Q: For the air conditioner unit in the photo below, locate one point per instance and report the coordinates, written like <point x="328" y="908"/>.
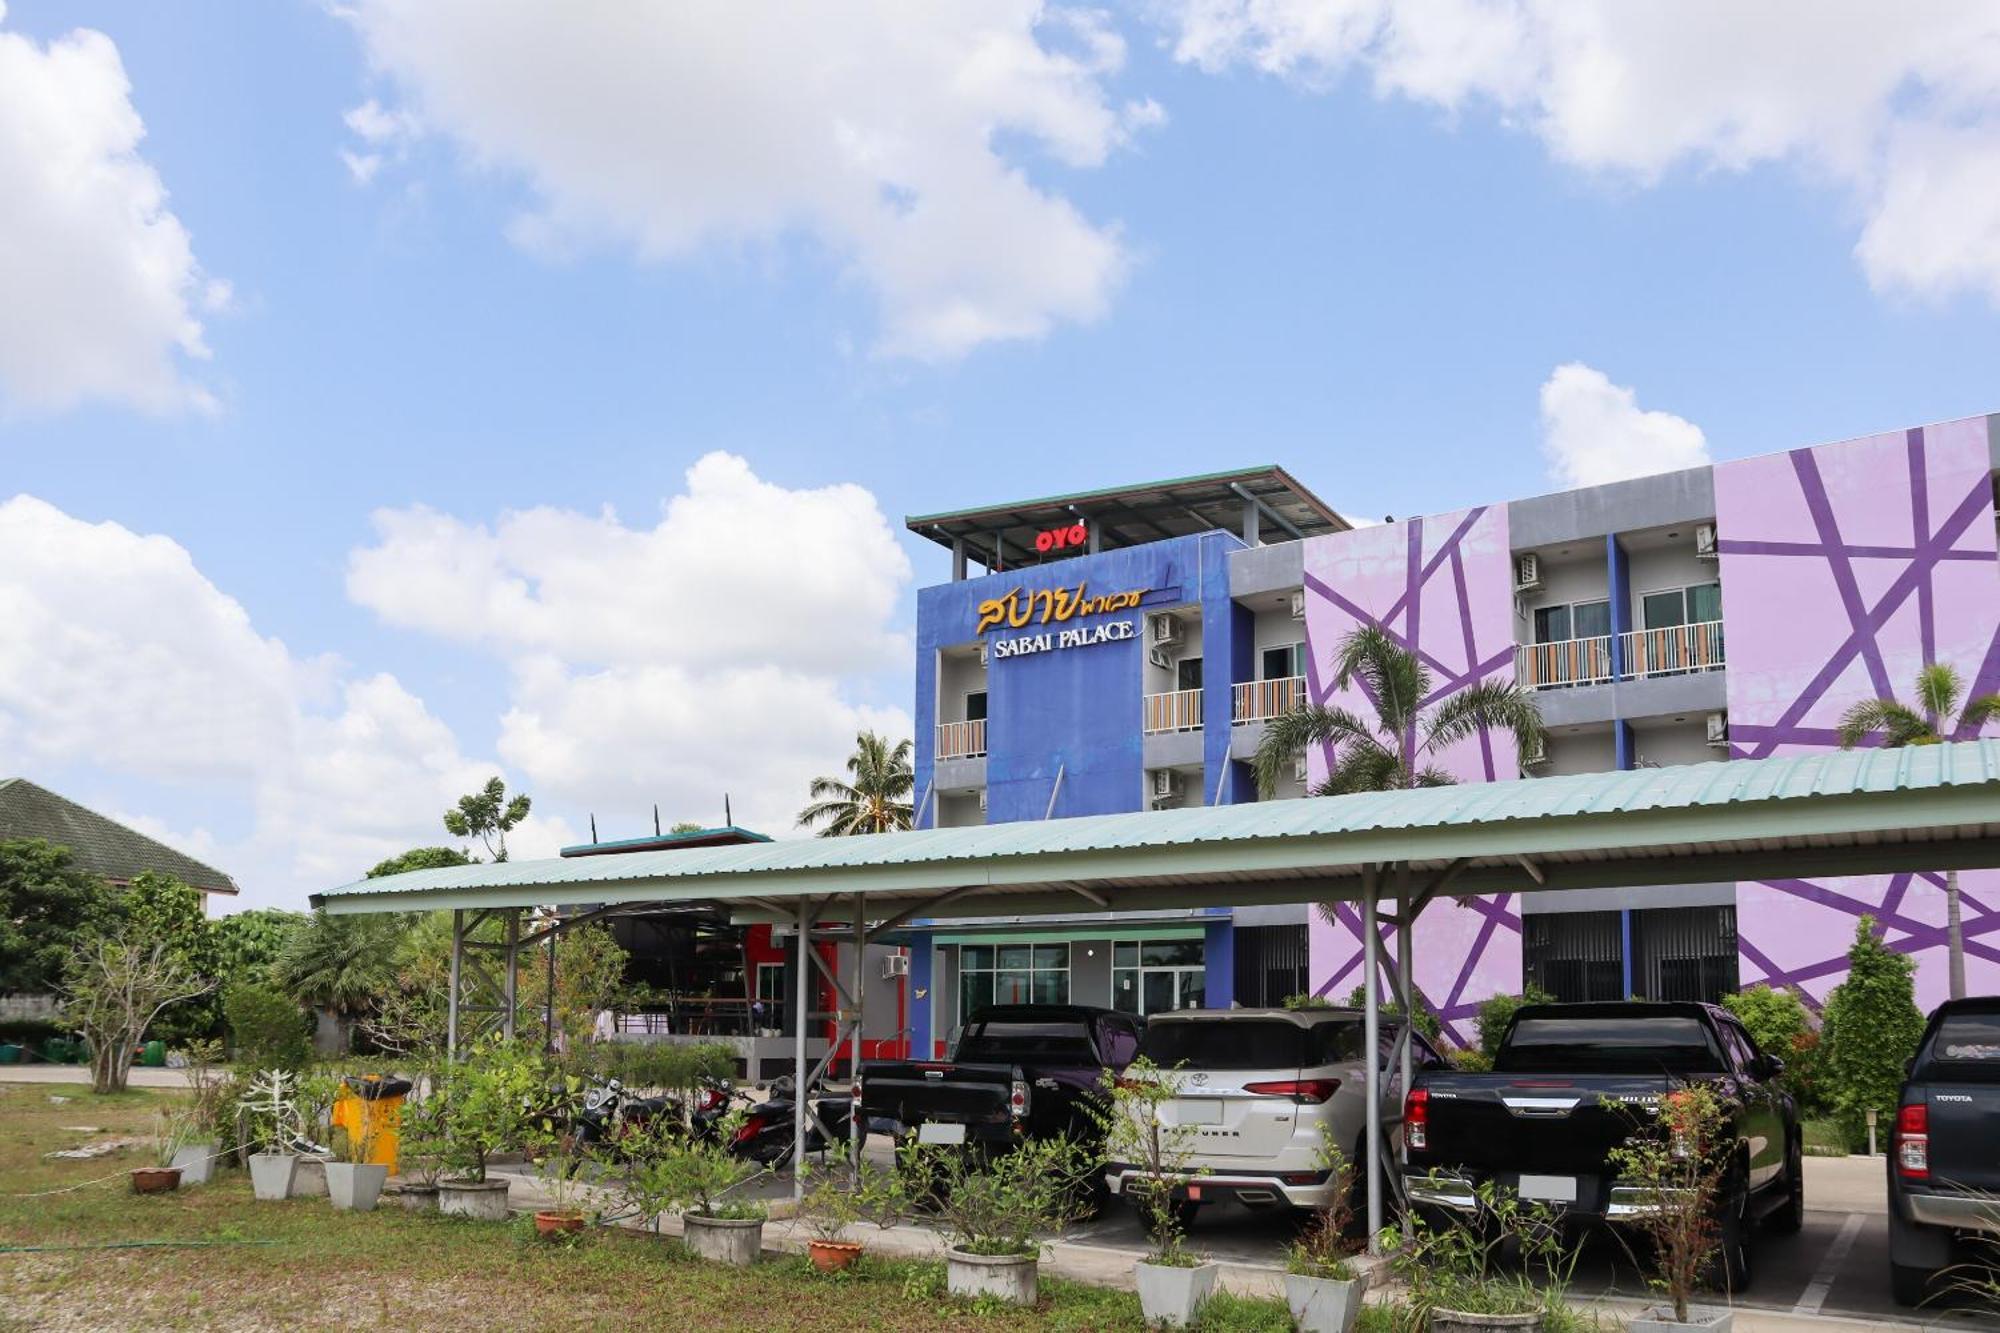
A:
<point x="982" y="800"/>
<point x="1535" y="754"/>
<point x="1299" y="605"/>
<point x="1158" y="657"/>
<point x="1527" y="572"/>
<point x="1718" y="730"/>
<point x="1704" y="541"/>
<point x="896" y="965"/>
<point x="1300" y="771"/>
<point x="1166" y="784"/>
<point x="1166" y="630"/>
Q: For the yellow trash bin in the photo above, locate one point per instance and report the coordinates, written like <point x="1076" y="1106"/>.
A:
<point x="370" y="1108"/>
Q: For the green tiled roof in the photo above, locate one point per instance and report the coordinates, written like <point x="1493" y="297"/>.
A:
<point x="102" y="846"/>
<point x="1822" y="813"/>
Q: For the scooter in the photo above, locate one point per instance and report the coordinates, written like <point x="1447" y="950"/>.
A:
<point x="609" y="1113"/>
<point x="766" y="1135"/>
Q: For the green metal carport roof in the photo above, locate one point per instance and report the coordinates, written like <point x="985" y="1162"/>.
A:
<point x="1827" y="813"/>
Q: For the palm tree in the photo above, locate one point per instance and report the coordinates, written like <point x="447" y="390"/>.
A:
<point x="1400" y="746"/>
<point x="341" y="964"/>
<point x="874" y="797"/>
<point x="1895" y="724"/>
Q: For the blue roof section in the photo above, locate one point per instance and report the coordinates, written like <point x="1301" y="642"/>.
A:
<point x="727" y="835"/>
<point x="1839" y="798"/>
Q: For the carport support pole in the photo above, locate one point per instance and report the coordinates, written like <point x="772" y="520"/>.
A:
<point x="857" y="1133"/>
<point x="457" y="960"/>
<point x="799" y="1070"/>
<point x="1371" y="1042"/>
<point x="1406" y="971"/>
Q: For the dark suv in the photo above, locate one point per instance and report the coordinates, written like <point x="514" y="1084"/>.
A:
<point x="1944" y="1153"/>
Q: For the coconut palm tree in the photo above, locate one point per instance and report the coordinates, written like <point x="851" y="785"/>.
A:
<point x="873" y="798"/>
<point x="1936" y="718"/>
<point x="1399" y="747"/>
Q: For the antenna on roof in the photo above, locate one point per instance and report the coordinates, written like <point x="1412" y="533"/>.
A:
<point x="656" y="819"/>
<point x="728" y="820"/>
<point x="593" y="829"/>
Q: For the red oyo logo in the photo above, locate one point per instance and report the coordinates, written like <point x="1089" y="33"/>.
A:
<point x="1056" y="539"/>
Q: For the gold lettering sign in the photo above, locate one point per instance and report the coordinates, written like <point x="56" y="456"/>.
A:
<point x="1051" y="606"/>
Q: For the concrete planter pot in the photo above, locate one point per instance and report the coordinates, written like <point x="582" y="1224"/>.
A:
<point x="414" y="1197"/>
<point x="1462" y="1321"/>
<point x="724" y="1240"/>
<point x="1324" y="1304"/>
<point x="272" y="1174"/>
<point x="1012" y="1279"/>
<point x="1701" y="1319"/>
<point x="482" y="1200"/>
<point x="310" y="1180"/>
<point x="1169" y="1296"/>
<point x="197" y="1163"/>
<point x="355" y="1188"/>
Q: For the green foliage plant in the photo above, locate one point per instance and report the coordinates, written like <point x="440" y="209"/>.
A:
<point x="1780" y="1024"/>
<point x="159" y="909"/>
<point x="1001" y="1205"/>
<point x="695" y="1177"/>
<point x="1496" y="1013"/>
<point x="1457" y="1265"/>
<point x="420" y="1141"/>
<point x="419" y="858"/>
<point x="487" y="815"/>
<point x="212" y="1093"/>
<point x="1428" y="1022"/>
<point x="267" y="1028"/>
<point x="1678" y="1159"/>
<point x="47" y="904"/>
<point x="172" y="1131"/>
<point x="247" y="943"/>
<point x="1872" y="1026"/>
<point x="1138" y="1130"/>
<point x="832" y="1202"/>
<point x="489" y="1106"/>
<point x="1324" y="1247"/>
<point x="1305" y="1001"/>
<point x="874" y="797"/>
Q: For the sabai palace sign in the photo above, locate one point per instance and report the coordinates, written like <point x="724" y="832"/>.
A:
<point x="1056" y="607"/>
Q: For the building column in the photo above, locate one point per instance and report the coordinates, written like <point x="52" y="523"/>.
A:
<point x="1218" y="957"/>
<point x="922" y="970"/>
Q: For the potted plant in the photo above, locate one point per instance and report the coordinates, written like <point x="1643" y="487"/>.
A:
<point x="485" y="1110"/>
<point x="993" y="1212"/>
<point x="1456" y="1284"/>
<point x="272" y="1113"/>
<point x="420" y="1146"/>
<point x="555" y="1164"/>
<point x="211" y="1113"/>
<point x="1322" y="1285"/>
<point x="1677" y="1166"/>
<point x="1173" y="1282"/>
<point x="833" y="1202"/>
<point x="695" y="1178"/>
<point x="353" y="1181"/>
<point x="170" y="1135"/>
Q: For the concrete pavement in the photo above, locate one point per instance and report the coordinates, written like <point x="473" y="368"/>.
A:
<point x="142" y="1076"/>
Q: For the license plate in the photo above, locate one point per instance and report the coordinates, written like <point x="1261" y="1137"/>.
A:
<point x="1548" y="1189"/>
<point x="938" y="1131"/>
<point x="1208" y="1112"/>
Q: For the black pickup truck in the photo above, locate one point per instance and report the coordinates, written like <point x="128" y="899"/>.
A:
<point x="1543" y="1123"/>
<point x="1018" y="1071"/>
<point x="1944" y="1152"/>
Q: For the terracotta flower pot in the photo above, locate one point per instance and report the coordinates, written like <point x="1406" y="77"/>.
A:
<point x="831" y="1256"/>
<point x="565" y="1223"/>
<point x="155" y="1179"/>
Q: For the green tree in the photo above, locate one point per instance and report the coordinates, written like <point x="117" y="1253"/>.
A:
<point x="590" y="972"/>
<point x="1871" y="1030"/>
<point x="685" y="826"/>
<point x="342" y="964"/>
<point x="1893" y="724"/>
<point x="268" y="1029"/>
<point x="1399" y="747"/>
<point x="487" y="815"/>
<point x="160" y="909"/>
<point x="47" y="903"/>
<point x="248" y="943"/>
<point x="873" y="798"/>
<point x="1778" y="1022"/>
<point x="1496" y="1013"/>
<point x="424" y="858"/>
<point x="115" y="987"/>
<point x="1427" y="1021"/>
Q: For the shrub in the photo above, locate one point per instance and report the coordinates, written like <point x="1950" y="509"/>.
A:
<point x="1498" y="1012"/>
<point x="1001" y="1205"/>
<point x="1427" y="1022"/>
<point x="1780" y="1025"/>
<point x="491" y="1102"/>
<point x="1872" y="1029"/>
<point x="1679" y="1158"/>
<point x="267" y="1028"/>
<point x="1137" y="1130"/>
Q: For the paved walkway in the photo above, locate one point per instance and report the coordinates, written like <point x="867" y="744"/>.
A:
<point x="142" y="1076"/>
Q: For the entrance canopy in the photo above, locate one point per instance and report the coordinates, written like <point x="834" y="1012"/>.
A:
<point x="1827" y="813"/>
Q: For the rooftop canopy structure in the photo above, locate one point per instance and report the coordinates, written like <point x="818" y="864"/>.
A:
<point x="1261" y="504"/>
<point x="1826" y="813"/>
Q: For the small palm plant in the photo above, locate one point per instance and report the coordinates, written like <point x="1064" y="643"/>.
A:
<point x="1937" y="717"/>
<point x="1401" y="746"/>
<point x="873" y="798"/>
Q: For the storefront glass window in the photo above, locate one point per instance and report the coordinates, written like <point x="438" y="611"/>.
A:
<point x="1155" y="976"/>
<point x="1012" y="974"/>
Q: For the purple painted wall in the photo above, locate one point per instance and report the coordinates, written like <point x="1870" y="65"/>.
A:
<point x="1844" y="569"/>
<point x="1444" y="586"/>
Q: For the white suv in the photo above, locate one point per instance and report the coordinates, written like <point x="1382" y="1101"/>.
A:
<point x="1256" y="1085"/>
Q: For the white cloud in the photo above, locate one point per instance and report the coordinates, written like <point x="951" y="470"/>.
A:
<point x="122" y="656"/>
<point x="894" y="134"/>
<point x="98" y="280"/>
<point x="1594" y="431"/>
<point x="1897" y="105"/>
<point x="712" y="652"/>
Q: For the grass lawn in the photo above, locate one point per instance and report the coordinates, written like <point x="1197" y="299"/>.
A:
<point x="1824" y="1138"/>
<point x="287" y="1265"/>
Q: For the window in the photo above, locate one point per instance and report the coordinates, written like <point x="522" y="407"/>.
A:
<point x="1684" y="953"/>
<point x="1251" y="1043"/>
<point x="1120" y="1041"/>
<point x="1187" y="674"/>
<point x="975" y="706"/>
<point x="1691" y="605"/>
<point x="1575" y="956"/>
<point x="1012" y="974"/>
<point x="1157" y="976"/>
<point x="1597" y="1043"/>
<point x="1574" y="620"/>
<point x="774" y="996"/>
<point x="1281" y="663"/>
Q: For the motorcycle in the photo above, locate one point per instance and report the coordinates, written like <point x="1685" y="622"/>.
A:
<point x="610" y="1112"/>
<point x="766" y="1134"/>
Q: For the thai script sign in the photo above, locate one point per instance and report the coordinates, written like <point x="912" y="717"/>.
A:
<point x="1051" y="606"/>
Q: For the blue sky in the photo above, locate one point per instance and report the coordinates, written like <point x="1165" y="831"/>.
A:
<point x="1333" y="258"/>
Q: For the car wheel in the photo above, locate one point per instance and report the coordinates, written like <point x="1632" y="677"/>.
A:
<point x="1790" y="1218"/>
<point x="1907" y="1285"/>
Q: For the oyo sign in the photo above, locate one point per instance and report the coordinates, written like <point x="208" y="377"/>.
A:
<point x="1059" y="539"/>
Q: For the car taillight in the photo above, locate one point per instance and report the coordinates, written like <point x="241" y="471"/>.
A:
<point x="1913" y="1142"/>
<point x="1017" y="1100"/>
<point x="1303" y="1090"/>
<point x="1417" y="1119"/>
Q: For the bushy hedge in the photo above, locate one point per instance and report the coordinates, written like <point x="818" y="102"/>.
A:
<point x="268" y="1029"/>
<point x="1780" y="1025"/>
<point x="1872" y="1029"/>
<point x="1498" y="1012"/>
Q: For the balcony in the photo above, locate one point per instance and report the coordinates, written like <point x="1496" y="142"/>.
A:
<point x="1642" y="654"/>
<point x="1261" y="700"/>
<point x="962" y="740"/>
<point x="1175" y="710"/>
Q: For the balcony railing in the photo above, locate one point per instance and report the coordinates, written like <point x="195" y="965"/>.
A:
<point x="1673" y="650"/>
<point x="1257" y="700"/>
<point x="962" y="740"/>
<point x="1176" y="710"/>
